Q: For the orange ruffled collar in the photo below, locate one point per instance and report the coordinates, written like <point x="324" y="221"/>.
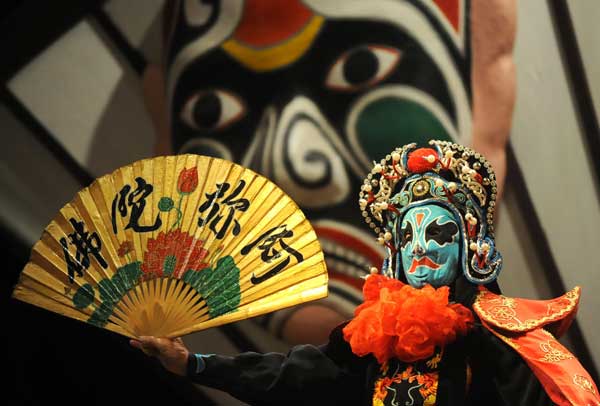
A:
<point x="397" y="320"/>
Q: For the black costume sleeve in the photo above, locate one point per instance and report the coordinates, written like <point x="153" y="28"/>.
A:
<point x="305" y="375"/>
<point x="499" y="369"/>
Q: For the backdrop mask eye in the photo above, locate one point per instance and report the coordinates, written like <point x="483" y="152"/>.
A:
<point x="212" y="110"/>
<point x="361" y="67"/>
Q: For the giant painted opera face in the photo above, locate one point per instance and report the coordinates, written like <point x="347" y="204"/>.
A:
<point x="310" y="93"/>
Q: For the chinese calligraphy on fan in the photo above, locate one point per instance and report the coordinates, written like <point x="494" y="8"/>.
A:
<point x="273" y="246"/>
<point x="219" y="222"/>
<point x="133" y="203"/>
<point x="86" y="244"/>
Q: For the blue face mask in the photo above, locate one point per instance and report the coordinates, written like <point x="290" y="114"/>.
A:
<point x="429" y="246"/>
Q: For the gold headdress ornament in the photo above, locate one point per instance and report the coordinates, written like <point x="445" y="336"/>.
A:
<point x="447" y="174"/>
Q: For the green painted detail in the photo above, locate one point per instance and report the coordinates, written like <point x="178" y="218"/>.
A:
<point x="219" y="287"/>
<point x="84" y="296"/>
<point x="165" y="204"/>
<point x="169" y="265"/>
<point x="130" y="274"/>
<point x="118" y="284"/>
<point x="390" y="121"/>
<point x="111" y="292"/>
<point x="108" y="291"/>
<point x="101" y="314"/>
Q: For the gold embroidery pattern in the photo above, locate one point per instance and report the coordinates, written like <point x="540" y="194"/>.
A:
<point x="583" y="383"/>
<point x="552" y="353"/>
<point x="502" y="312"/>
<point x="435" y="360"/>
<point x="425" y="383"/>
<point x="572" y="300"/>
<point x="556" y="306"/>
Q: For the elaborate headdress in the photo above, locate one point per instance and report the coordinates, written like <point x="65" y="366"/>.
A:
<point x="447" y="174"/>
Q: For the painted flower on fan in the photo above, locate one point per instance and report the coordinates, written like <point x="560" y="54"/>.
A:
<point x="171" y="254"/>
<point x="187" y="181"/>
<point x="125" y="248"/>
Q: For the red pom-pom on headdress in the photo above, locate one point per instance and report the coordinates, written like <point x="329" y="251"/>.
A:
<point x="422" y="160"/>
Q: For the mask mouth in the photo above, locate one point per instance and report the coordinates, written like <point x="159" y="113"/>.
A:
<point x="424" y="261"/>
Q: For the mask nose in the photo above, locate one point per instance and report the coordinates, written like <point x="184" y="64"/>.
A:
<point x="418" y="251"/>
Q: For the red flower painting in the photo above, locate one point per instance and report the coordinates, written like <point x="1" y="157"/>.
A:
<point x="125" y="248"/>
<point x="173" y="253"/>
<point x="187" y="181"/>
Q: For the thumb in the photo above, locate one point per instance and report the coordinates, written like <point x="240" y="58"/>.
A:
<point x="149" y="345"/>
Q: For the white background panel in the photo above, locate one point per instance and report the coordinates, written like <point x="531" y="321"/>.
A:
<point x="585" y="16"/>
<point x="34" y="185"/>
<point x="521" y="275"/>
<point x="81" y="93"/>
<point x="550" y="149"/>
<point x="140" y="22"/>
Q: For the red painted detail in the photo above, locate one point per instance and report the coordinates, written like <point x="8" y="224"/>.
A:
<point x="451" y="9"/>
<point x="267" y="22"/>
<point x="420" y="217"/>
<point x="471" y="229"/>
<point x="393" y="208"/>
<point x="425" y="261"/>
<point x="391" y="247"/>
<point x="449" y="194"/>
<point x="480" y="260"/>
<point x="371" y="198"/>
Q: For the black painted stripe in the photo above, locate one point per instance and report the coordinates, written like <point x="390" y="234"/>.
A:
<point x="135" y="58"/>
<point x="579" y="86"/>
<point x="345" y="295"/>
<point x="45" y="137"/>
<point x="516" y="180"/>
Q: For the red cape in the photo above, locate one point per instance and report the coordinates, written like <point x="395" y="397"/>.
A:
<point x="531" y="327"/>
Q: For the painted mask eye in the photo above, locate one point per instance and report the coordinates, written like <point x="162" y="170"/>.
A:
<point x="362" y="67"/>
<point x="441" y="233"/>
<point x="212" y="110"/>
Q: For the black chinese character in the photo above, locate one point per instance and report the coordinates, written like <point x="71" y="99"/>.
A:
<point x="214" y="217"/>
<point x="86" y="244"/>
<point x="267" y="241"/>
<point x="135" y="200"/>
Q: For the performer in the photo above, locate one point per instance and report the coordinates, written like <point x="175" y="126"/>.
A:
<point x="309" y="93"/>
<point x="431" y="330"/>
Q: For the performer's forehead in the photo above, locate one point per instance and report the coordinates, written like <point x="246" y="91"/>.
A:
<point x="423" y="215"/>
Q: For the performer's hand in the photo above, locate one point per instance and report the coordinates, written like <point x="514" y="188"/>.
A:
<point x="171" y="352"/>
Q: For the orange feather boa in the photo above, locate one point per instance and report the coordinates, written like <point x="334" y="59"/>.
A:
<point x="397" y="320"/>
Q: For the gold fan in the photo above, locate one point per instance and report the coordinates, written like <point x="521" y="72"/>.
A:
<point x="172" y="245"/>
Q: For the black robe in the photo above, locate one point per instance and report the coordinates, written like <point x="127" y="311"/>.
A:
<point x="477" y="369"/>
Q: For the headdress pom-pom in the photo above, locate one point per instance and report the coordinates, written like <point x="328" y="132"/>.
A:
<point x="422" y="160"/>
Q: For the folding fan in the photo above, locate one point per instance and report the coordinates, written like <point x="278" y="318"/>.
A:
<point x="172" y="245"/>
